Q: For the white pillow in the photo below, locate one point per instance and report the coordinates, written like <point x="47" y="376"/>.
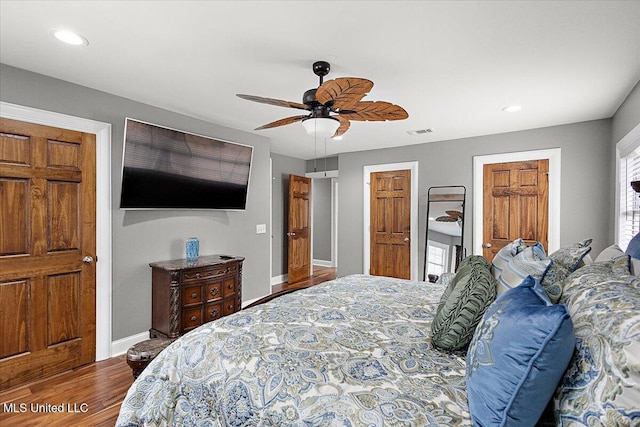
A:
<point x="609" y="253"/>
<point x="532" y="261"/>
<point x="613" y="252"/>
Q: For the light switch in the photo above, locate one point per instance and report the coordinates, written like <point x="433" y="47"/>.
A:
<point x="261" y="228"/>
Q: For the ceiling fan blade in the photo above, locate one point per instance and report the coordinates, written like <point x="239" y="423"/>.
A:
<point x="376" y="111"/>
<point x="344" y="126"/>
<point x="271" y="101"/>
<point x="446" y="218"/>
<point x="454" y="214"/>
<point x="282" y="122"/>
<point x="343" y="92"/>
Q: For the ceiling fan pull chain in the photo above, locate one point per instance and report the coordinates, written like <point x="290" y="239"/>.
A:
<point x="315" y="148"/>
<point x="325" y="157"/>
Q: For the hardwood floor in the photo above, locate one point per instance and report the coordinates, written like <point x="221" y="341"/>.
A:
<point x="90" y="395"/>
<point x="320" y="274"/>
<point x="87" y="396"/>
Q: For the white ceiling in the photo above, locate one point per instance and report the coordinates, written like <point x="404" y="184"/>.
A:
<point x="453" y="65"/>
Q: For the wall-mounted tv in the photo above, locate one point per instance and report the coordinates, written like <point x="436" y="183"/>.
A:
<point x="164" y="168"/>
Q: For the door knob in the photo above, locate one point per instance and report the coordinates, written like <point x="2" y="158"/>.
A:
<point x="291" y="234"/>
<point x="406" y="239"/>
<point x="88" y="259"/>
<point x="486" y="245"/>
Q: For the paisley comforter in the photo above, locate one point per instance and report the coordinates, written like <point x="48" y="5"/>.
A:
<point x="602" y="385"/>
<point x="355" y="351"/>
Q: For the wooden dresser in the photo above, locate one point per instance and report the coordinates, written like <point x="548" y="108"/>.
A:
<point x="186" y="295"/>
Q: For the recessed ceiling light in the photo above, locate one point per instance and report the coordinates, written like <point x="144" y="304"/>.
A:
<point x="512" y="108"/>
<point x="69" y="37"/>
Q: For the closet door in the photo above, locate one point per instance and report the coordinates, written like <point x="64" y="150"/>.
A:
<point x="515" y="204"/>
<point x="47" y="251"/>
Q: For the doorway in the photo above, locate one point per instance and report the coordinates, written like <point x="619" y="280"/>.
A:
<point x="412" y="167"/>
<point x="324" y="220"/>
<point x="102" y="132"/>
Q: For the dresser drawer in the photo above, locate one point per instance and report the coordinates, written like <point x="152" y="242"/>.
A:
<point x="213" y="312"/>
<point x="229" y="285"/>
<point x="191" y="295"/>
<point x="229" y="306"/>
<point x="191" y="318"/>
<point x="213" y="291"/>
<point x="198" y="274"/>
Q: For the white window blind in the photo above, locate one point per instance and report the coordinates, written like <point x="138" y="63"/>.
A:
<point x="629" y="224"/>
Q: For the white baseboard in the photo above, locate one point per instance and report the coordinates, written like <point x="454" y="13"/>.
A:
<point x="322" y="263"/>
<point x="121" y="346"/>
<point x="279" y="279"/>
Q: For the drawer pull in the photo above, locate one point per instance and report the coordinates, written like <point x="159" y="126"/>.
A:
<point x="214" y="291"/>
<point x="214" y="313"/>
<point x="197" y="275"/>
<point x="193" y="318"/>
<point x="230" y="287"/>
<point x="193" y="295"/>
<point x="230" y="306"/>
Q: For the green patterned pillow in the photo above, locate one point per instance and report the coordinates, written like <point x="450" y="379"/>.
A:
<point x="463" y="303"/>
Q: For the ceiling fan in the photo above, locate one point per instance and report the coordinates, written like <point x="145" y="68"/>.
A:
<point x="451" y="216"/>
<point x="333" y="104"/>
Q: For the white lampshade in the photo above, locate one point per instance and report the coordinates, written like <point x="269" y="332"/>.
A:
<point x="321" y="127"/>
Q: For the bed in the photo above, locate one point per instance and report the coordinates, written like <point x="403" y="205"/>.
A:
<point x="354" y="351"/>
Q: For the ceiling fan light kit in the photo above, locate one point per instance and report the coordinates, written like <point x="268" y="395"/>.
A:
<point x="321" y="127"/>
<point x="333" y="104"/>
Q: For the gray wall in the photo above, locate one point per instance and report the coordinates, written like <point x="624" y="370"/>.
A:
<point x="321" y="226"/>
<point x="281" y="166"/>
<point x="586" y="190"/>
<point x="627" y="117"/>
<point x="140" y="237"/>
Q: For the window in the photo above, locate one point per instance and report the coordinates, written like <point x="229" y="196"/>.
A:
<point x="629" y="200"/>
<point x="437" y="258"/>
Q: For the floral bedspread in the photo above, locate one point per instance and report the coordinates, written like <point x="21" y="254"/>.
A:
<point x="601" y="387"/>
<point x="355" y="351"/>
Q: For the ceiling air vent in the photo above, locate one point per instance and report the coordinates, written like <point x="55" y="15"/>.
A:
<point x="420" y="131"/>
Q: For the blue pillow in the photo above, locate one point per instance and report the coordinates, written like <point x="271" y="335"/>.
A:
<point x="519" y="352"/>
<point x="633" y="249"/>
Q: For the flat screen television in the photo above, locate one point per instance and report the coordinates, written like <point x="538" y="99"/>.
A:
<point x="164" y="168"/>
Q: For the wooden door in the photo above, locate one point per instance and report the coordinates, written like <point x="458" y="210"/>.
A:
<point x="515" y="204"/>
<point x="299" y="228"/>
<point x="390" y="243"/>
<point x="47" y="227"/>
